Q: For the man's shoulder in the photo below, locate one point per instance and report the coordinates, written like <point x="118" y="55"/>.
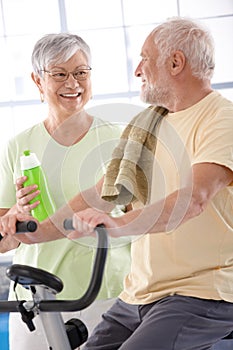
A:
<point x="220" y="101"/>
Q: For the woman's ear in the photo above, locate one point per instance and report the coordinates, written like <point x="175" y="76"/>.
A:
<point x="37" y="80"/>
<point x="177" y="62"/>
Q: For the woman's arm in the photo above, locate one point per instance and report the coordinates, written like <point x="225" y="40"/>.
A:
<point x="7" y="242"/>
<point x="52" y="228"/>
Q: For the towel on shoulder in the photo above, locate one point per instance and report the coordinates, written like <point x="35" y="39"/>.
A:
<point x="128" y="176"/>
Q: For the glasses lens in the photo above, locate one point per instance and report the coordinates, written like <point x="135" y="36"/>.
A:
<point x="59" y="75"/>
<point x="81" y="74"/>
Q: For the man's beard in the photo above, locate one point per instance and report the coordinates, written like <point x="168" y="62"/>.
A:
<point x="159" y="96"/>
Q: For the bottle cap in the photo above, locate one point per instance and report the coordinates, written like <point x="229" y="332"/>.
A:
<point x="29" y="160"/>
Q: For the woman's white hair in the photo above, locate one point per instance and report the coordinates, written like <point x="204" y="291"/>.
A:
<point x="192" y="38"/>
<point x="57" y="48"/>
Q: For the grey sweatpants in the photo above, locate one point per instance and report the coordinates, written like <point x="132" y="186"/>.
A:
<point x="172" y="323"/>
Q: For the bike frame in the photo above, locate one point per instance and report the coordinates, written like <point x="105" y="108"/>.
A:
<point x="45" y="286"/>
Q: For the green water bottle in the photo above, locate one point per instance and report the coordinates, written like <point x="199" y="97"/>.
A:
<point x="31" y="167"/>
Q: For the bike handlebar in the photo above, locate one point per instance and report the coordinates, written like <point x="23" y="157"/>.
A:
<point x="24" y="226"/>
<point x="68" y="224"/>
<point x="93" y="288"/>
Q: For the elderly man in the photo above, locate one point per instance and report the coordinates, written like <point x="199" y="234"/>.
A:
<point x="179" y="292"/>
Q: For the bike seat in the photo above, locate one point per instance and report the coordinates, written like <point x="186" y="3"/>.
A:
<point x="30" y="276"/>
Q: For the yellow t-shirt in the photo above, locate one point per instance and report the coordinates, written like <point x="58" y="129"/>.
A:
<point x="197" y="258"/>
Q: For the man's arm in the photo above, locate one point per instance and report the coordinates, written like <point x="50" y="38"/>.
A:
<point x="53" y="226"/>
<point x="165" y="215"/>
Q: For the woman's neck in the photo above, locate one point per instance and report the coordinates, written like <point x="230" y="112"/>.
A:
<point x="70" y="130"/>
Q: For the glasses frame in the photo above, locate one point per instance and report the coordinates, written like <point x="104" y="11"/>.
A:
<point x="67" y="74"/>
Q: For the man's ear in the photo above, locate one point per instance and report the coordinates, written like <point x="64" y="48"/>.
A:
<point x="178" y="61"/>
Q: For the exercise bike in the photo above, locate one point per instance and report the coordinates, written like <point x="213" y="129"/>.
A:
<point x="44" y="286"/>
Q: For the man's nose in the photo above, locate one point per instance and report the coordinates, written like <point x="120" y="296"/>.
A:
<point x="138" y="71"/>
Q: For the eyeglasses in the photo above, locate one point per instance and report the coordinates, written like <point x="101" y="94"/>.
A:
<point x="60" y="75"/>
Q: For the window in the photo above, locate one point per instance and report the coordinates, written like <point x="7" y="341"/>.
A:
<point x="115" y="31"/>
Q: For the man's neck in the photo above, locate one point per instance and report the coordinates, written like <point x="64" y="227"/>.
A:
<point x="190" y="94"/>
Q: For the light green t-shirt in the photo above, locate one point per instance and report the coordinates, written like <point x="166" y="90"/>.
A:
<point x="69" y="170"/>
<point x="196" y="259"/>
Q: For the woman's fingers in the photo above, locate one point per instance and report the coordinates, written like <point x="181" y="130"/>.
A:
<point x="27" y="198"/>
<point x="24" y="191"/>
<point x="24" y="195"/>
<point x="7" y="224"/>
<point x="19" y="182"/>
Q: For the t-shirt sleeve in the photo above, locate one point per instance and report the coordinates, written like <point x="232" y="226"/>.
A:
<point x="7" y="178"/>
<point x="214" y="141"/>
<point x="108" y="137"/>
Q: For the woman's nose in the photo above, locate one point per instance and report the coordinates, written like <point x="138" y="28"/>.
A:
<point x="71" y="81"/>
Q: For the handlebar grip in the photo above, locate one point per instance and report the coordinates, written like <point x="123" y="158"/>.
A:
<point x="26" y="226"/>
<point x="68" y="225"/>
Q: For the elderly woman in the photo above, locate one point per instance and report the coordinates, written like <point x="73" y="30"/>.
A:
<point x="73" y="148"/>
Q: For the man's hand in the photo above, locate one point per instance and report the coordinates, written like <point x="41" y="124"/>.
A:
<point x="84" y="223"/>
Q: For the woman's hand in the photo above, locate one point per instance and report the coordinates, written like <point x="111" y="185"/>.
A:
<point x="24" y="195"/>
<point x="8" y="243"/>
<point x="8" y="223"/>
<point x="8" y="229"/>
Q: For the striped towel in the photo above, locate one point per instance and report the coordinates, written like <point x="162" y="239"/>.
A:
<point x="128" y="176"/>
